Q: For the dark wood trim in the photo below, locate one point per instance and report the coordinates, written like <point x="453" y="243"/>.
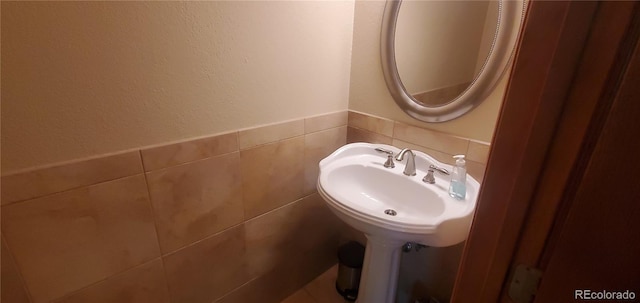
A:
<point x="569" y="58"/>
<point x="549" y="51"/>
<point x="597" y="240"/>
<point x="618" y="26"/>
<point x="596" y="65"/>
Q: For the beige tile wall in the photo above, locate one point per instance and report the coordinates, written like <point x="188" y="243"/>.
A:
<point x="228" y="218"/>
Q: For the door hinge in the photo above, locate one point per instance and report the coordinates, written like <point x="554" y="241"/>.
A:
<point x="524" y="284"/>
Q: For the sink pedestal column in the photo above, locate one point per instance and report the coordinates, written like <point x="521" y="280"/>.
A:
<point x="380" y="271"/>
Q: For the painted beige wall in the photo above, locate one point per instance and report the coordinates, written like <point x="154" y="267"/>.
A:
<point x="81" y="79"/>
<point x="368" y="92"/>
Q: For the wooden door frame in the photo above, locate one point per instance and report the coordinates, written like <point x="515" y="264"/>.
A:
<point x="565" y="61"/>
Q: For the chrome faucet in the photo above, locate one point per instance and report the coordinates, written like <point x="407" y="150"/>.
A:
<point x="410" y="168"/>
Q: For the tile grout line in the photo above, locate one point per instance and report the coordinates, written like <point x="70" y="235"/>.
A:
<point x="233" y="290"/>
<point x="304" y="163"/>
<point x="192" y="161"/>
<point x="73" y="292"/>
<point x="17" y="267"/>
<point x="325" y="129"/>
<point x="369" y="131"/>
<point x="271" y="142"/>
<point x="71" y="189"/>
<point x="234" y="226"/>
<point x="155" y="227"/>
<point x="310" y="132"/>
<point x="242" y="198"/>
<point x="243" y="223"/>
<point x="393" y="130"/>
<point x="466" y="154"/>
<point x="186" y="140"/>
<point x="258" y="128"/>
<point x="63" y="163"/>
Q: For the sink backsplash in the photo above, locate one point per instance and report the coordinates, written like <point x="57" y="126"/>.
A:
<point x="367" y="128"/>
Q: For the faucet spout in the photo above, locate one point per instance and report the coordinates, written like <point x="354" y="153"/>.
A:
<point x="410" y="168"/>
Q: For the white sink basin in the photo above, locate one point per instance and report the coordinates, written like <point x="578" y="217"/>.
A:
<point x="376" y="190"/>
<point x="358" y="188"/>
<point x="362" y="192"/>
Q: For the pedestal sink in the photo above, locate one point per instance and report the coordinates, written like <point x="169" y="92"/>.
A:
<point x="391" y="208"/>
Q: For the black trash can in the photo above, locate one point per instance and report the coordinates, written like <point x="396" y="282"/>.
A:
<point x="350" y="257"/>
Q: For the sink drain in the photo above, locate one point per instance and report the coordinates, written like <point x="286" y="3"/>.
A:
<point x="390" y="212"/>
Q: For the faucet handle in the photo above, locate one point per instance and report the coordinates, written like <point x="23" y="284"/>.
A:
<point x="429" y="178"/>
<point x="389" y="163"/>
<point x="439" y="169"/>
<point x="386" y="151"/>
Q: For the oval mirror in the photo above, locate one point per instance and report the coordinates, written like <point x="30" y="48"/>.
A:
<point x="441" y="59"/>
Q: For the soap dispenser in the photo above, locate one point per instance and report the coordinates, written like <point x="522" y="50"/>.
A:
<point x="458" y="187"/>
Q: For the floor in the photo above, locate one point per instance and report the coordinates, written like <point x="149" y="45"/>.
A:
<point x="320" y="290"/>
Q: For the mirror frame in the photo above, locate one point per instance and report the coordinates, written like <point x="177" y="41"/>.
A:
<point x="510" y="19"/>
